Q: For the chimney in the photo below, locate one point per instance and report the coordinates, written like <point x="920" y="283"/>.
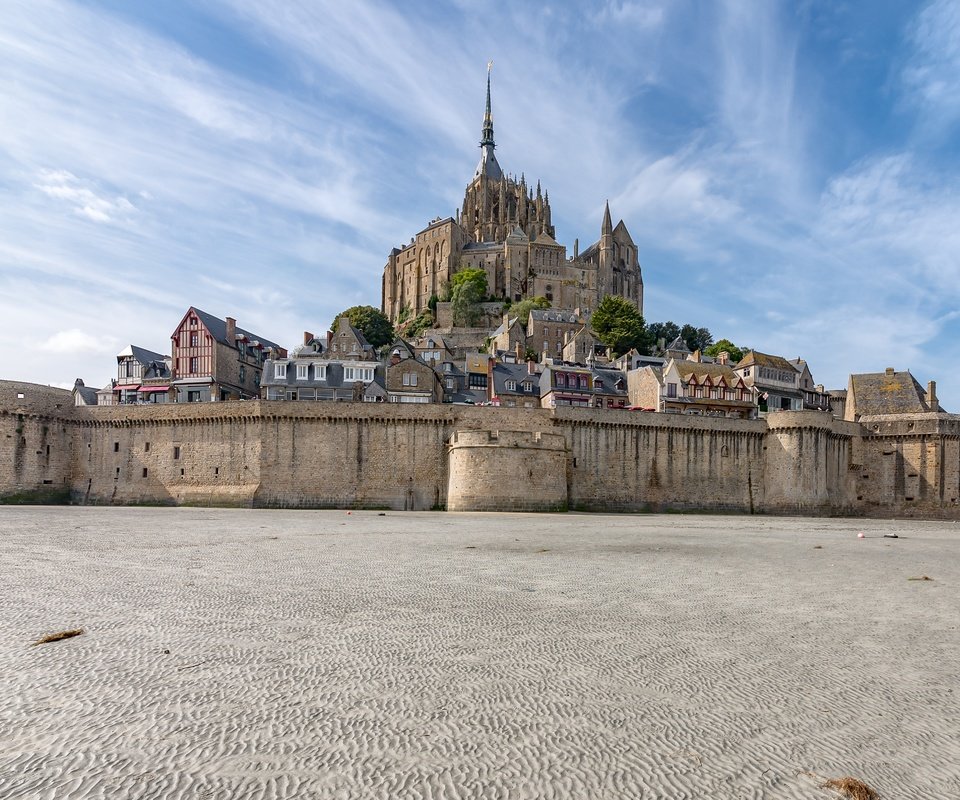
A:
<point x="932" y="395"/>
<point x="576" y="249"/>
<point x="231" y="330"/>
<point x="890" y="372"/>
<point x="307" y="336"/>
<point x="531" y="367"/>
<point x="506" y="319"/>
<point x="723" y="357"/>
<point x="329" y="339"/>
<point x="519" y="351"/>
<point x="394" y="358"/>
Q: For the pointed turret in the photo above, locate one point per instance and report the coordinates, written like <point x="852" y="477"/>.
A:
<point x="607" y="226"/>
<point x="488" y="165"/>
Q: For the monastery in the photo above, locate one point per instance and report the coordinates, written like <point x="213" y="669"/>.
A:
<point x="505" y="228"/>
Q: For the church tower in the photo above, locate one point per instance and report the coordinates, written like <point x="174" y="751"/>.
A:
<point x="495" y="203"/>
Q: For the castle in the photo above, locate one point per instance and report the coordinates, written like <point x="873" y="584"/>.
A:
<point x="505" y="228"/>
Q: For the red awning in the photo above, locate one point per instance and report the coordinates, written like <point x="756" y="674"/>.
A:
<point x="146" y="389"/>
<point x="127" y="387"/>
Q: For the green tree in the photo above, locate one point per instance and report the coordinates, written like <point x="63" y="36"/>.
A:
<point x="696" y="338"/>
<point x="668" y="331"/>
<point x="619" y="325"/>
<point x="469" y="287"/>
<point x="736" y="353"/>
<point x="414" y="327"/>
<point x="375" y="327"/>
<point x="522" y="309"/>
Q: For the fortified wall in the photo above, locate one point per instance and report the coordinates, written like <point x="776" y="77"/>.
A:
<point x="361" y="455"/>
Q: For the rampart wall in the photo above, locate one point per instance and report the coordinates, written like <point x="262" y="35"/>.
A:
<point x="350" y="455"/>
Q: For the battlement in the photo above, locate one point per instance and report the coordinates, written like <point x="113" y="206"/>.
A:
<point x="352" y="455"/>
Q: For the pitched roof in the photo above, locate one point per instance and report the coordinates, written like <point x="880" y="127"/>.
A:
<point x="141" y="354"/>
<point x="704" y="370"/>
<point x="889" y="392"/>
<point x="755" y="358"/>
<point x="218" y="330"/>
<point x="553" y="315"/>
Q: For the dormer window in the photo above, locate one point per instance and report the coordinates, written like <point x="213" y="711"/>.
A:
<point x="280" y="371"/>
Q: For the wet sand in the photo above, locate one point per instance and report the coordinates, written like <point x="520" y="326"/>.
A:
<point x="266" y="654"/>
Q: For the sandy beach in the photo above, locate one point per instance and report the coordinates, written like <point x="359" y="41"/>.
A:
<point x="271" y="654"/>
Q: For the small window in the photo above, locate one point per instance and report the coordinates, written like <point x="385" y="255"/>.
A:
<point x="194" y="364"/>
<point x="193" y="322"/>
<point x="176" y="452"/>
<point x="320" y="372"/>
<point x="144" y="472"/>
<point x="511" y="386"/>
<point x="243" y="374"/>
<point x="280" y="371"/>
<point x="116" y="447"/>
<point x="194" y="339"/>
<point x="146" y="447"/>
<point x="302" y="371"/>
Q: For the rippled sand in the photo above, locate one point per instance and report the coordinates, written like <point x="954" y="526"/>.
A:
<point x="267" y="654"/>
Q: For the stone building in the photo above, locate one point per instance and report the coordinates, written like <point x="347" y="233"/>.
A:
<point x="889" y="392"/>
<point x="341" y="367"/>
<point x="505" y="227"/>
<point x="775" y="379"/>
<point x="697" y="388"/>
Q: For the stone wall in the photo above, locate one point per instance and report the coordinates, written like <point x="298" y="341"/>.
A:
<point x="347" y="455"/>
<point x="36" y="442"/>
<point x="507" y="471"/>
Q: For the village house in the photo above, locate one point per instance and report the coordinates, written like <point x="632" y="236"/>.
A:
<point x="547" y="329"/>
<point x="143" y="376"/>
<point x="514" y="385"/>
<point x="776" y="381"/>
<point x="682" y="386"/>
<point x="609" y="387"/>
<point x="563" y="384"/>
<point x="815" y="397"/>
<point x="213" y="359"/>
<point x="410" y="379"/>
<point x="310" y="373"/>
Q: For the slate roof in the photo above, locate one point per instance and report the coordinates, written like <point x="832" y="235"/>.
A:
<point x="889" y="393"/>
<point x="141" y="354"/>
<point x="218" y="330"/>
<point x="483" y="246"/>
<point x="553" y="315"/>
<point x="334" y="375"/>
<point x="608" y="379"/>
<point x="515" y="372"/>
<point x="88" y="393"/>
<point x="590" y="250"/>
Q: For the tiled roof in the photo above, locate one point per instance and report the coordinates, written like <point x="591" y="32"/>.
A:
<point x="702" y="370"/>
<point x="754" y="358"/>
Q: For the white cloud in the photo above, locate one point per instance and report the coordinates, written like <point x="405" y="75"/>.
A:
<point x="74" y="340"/>
<point x="624" y="12"/>
<point x="63" y="185"/>
<point x="932" y="74"/>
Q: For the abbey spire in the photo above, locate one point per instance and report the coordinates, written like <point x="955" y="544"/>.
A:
<point x="488" y="165"/>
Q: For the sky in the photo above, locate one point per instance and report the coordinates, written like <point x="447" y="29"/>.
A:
<point x="789" y="171"/>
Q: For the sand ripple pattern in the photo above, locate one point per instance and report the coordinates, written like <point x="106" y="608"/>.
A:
<point x="269" y="654"/>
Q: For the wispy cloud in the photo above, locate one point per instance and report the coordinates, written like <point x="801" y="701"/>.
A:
<point x="65" y="186"/>
<point x="932" y="73"/>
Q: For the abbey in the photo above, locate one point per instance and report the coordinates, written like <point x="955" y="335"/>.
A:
<point x="505" y="228"/>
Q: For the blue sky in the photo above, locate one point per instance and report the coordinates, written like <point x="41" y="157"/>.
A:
<point x="790" y="171"/>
